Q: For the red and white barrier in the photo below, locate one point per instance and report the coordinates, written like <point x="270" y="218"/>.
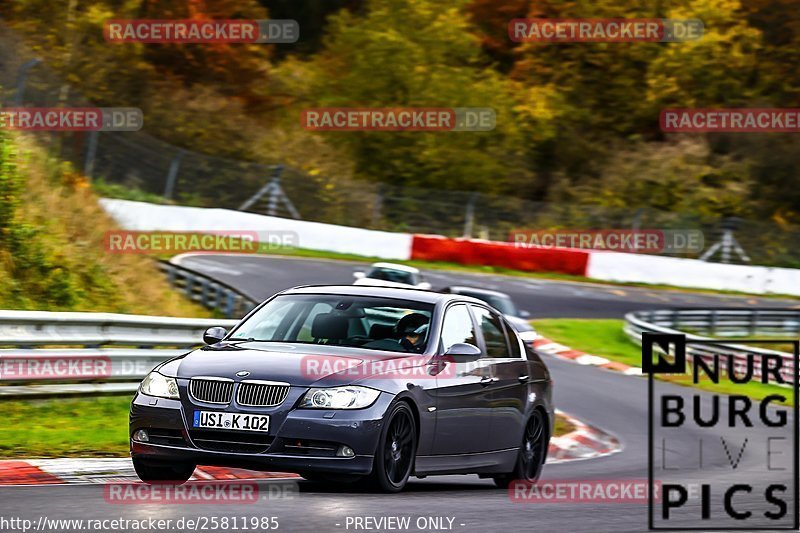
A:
<point x="499" y="254"/>
<point x="606" y="266"/>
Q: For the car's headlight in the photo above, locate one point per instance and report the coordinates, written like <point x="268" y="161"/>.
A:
<point x="339" y="398"/>
<point x="161" y="386"/>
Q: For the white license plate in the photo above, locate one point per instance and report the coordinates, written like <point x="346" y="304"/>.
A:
<point x="230" y="421"/>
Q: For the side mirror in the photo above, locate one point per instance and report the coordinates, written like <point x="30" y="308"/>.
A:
<point x="424" y="286"/>
<point x="359" y="275"/>
<point x="463" y="349"/>
<point x="214" y="335"/>
<point x="524" y="314"/>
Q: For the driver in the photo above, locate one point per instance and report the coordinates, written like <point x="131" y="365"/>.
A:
<point x="412" y="330"/>
<point x="410" y="333"/>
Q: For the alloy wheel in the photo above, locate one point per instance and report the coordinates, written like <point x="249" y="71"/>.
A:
<point x="398" y="452"/>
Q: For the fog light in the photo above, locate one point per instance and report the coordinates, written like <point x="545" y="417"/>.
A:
<point x="141" y="436"/>
<point x="346" y="451"/>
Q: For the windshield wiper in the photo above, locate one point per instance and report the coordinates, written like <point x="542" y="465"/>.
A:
<point x="242" y="341"/>
<point x="232" y="345"/>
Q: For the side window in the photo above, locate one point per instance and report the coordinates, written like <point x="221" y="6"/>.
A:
<point x="513" y="341"/>
<point x="458" y="327"/>
<point x="493" y="334"/>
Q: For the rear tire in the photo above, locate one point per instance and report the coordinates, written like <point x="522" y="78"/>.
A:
<point x="532" y="453"/>
<point x="397" y="450"/>
<point x="155" y="472"/>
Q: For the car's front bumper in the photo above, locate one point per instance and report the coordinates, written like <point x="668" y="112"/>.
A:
<point x="357" y="429"/>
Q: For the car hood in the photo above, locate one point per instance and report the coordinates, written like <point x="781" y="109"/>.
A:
<point x="306" y="366"/>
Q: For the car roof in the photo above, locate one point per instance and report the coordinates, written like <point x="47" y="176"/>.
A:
<point x="395" y="266"/>
<point x="410" y="293"/>
<point x="457" y="289"/>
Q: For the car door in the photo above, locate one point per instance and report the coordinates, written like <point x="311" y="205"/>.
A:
<point x="510" y="374"/>
<point x="463" y="401"/>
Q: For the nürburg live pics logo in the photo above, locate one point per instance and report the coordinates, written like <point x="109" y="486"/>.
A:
<point x="724" y="454"/>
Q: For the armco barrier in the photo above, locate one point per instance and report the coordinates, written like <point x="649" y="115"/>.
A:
<point x="42" y="348"/>
<point x="720" y="323"/>
<point x="24" y="329"/>
<point x="499" y="254"/>
<point x="208" y="292"/>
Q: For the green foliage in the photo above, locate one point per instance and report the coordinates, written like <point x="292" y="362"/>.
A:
<point x="10" y="184"/>
<point x="715" y="71"/>
<point x="421" y="53"/>
<point x="108" y="189"/>
<point x="575" y="122"/>
<point x="684" y="177"/>
<point x="52" y="253"/>
<point x="32" y="272"/>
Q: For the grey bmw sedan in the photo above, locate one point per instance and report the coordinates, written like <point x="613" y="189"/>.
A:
<point x="351" y="384"/>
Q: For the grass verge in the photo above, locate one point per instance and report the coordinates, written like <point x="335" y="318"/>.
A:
<point x="81" y="427"/>
<point x="562" y="426"/>
<point x="604" y="338"/>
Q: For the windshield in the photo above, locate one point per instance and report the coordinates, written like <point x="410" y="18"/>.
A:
<point x="355" y="321"/>
<point x="501" y="303"/>
<point x="395" y="276"/>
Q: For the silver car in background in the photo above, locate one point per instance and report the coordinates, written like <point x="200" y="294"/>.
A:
<point x="503" y="303"/>
<point x="392" y="275"/>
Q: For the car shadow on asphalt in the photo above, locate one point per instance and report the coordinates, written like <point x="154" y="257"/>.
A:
<point x="412" y="487"/>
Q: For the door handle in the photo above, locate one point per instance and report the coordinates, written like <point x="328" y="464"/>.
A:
<point x="486" y="380"/>
<point x="524" y="379"/>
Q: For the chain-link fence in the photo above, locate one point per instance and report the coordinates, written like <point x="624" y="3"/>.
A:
<point x="139" y="162"/>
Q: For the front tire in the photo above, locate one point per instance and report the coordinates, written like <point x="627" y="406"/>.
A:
<point x="153" y="472"/>
<point x="532" y="453"/>
<point x="397" y="450"/>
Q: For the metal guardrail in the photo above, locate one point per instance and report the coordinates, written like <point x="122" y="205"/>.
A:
<point x="208" y="292"/>
<point x="23" y="329"/>
<point x="695" y="323"/>
<point x="39" y="349"/>
<point x="47" y="354"/>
